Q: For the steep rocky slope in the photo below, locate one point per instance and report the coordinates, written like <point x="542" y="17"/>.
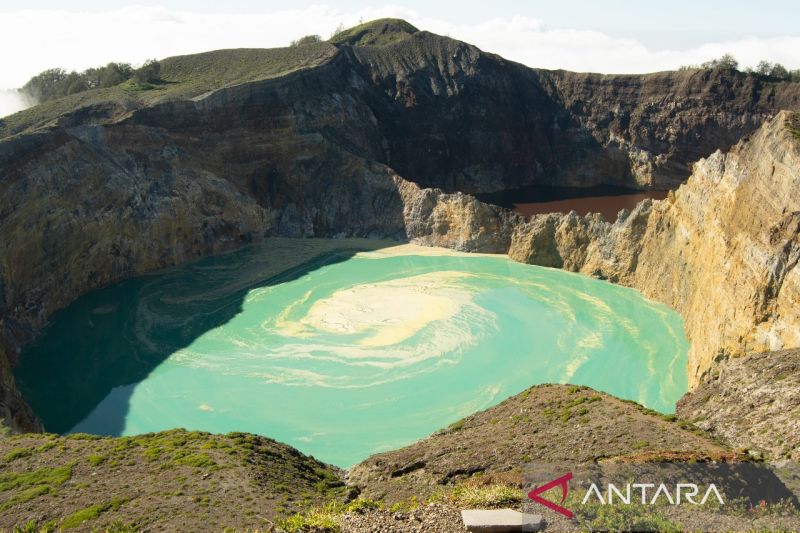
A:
<point x="544" y="424"/>
<point x="342" y="140"/>
<point x="751" y="403"/>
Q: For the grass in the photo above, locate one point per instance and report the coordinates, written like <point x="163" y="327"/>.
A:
<point x="595" y="516"/>
<point x="29" y="485"/>
<point x="455" y="426"/>
<point x="325" y="518"/>
<point x="17" y="453"/>
<point x="183" y="77"/>
<point x="32" y="526"/>
<point x="492" y="495"/>
<point x="96" y="460"/>
<point x="92" y="512"/>
<point x="197" y="460"/>
<point x="371" y="33"/>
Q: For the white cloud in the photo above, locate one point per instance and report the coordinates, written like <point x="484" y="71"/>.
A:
<point x="35" y="40"/>
<point x="11" y="102"/>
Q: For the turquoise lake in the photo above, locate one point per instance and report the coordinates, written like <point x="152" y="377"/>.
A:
<point x="341" y="352"/>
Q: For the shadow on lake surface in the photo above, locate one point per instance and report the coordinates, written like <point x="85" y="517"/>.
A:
<point x="109" y="340"/>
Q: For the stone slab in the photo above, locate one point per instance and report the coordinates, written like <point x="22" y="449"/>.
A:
<point x="500" y="521"/>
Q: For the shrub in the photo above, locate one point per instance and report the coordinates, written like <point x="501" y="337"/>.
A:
<point x="307" y="39"/>
<point x="149" y="72"/>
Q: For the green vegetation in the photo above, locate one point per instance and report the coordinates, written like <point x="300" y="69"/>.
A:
<point x="32" y="526"/>
<point x="307" y="39"/>
<point x="95" y="460"/>
<point x="455" y="426"/>
<point x="379" y="32"/>
<point x="197" y="460"/>
<point x="634" y="517"/>
<point x="17" y="453"/>
<point x="764" y="70"/>
<point x="325" y="518"/>
<point x="468" y="495"/>
<point x="179" y="77"/>
<point x="82" y="436"/>
<point x="30" y="485"/>
<point x="90" y="513"/>
<point x="56" y="82"/>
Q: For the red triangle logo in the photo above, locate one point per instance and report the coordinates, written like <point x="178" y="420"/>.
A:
<point x="562" y="482"/>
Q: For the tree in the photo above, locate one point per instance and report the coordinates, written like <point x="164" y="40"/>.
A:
<point x="307" y="39"/>
<point x="74" y="83"/>
<point x="46" y="85"/>
<point x="763" y="68"/>
<point x="779" y="71"/>
<point x="726" y="62"/>
<point x="114" y="74"/>
<point x="149" y="72"/>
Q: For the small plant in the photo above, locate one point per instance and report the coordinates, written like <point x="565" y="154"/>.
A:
<point x="457" y="425"/>
<point x="17" y="453"/>
<point x="82" y="436"/>
<point x="197" y="460"/>
<point x="31" y="526"/>
<point x="121" y="527"/>
<point x="477" y="495"/>
<point x="96" y="460"/>
<point x="325" y="518"/>
<point x="90" y="513"/>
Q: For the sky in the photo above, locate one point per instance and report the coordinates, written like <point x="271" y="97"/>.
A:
<point x="611" y="36"/>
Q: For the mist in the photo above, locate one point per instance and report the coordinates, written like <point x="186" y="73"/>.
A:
<point x="11" y="101"/>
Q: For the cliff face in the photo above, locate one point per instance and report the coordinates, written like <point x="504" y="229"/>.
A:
<point x="345" y="140"/>
<point x="722" y="250"/>
<point x="456" y="118"/>
<point x="657" y="125"/>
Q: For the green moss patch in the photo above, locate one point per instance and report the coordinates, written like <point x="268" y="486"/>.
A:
<point x="92" y="512"/>
<point x="29" y="485"/>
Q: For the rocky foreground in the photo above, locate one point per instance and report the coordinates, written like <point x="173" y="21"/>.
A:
<point x="180" y="480"/>
<point x="193" y="481"/>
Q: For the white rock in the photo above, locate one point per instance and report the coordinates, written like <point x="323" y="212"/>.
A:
<point x="500" y="520"/>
